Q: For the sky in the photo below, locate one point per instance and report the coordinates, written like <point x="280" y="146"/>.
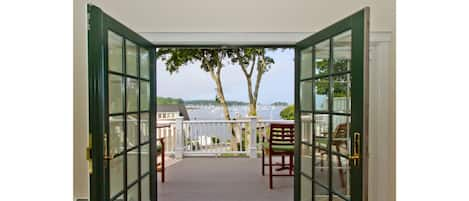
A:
<point x="191" y="82"/>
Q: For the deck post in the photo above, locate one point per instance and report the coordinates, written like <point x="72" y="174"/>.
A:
<point x="253" y="135"/>
<point x="179" y="150"/>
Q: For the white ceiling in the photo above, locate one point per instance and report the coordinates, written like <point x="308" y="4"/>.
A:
<point x="283" y="21"/>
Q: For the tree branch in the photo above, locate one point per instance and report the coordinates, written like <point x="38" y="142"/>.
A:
<point x="252" y="66"/>
<point x="260" y="71"/>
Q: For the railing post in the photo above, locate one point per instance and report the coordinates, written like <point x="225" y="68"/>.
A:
<point x="179" y="150"/>
<point x="252" y="139"/>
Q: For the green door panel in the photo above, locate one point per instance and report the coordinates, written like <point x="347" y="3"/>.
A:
<point x="122" y="81"/>
<point x="331" y="77"/>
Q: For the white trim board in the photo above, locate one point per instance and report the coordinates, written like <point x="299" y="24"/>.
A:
<point x="238" y="38"/>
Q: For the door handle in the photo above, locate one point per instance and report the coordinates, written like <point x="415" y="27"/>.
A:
<point x="355" y="157"/>
<point x="89" y="154"/>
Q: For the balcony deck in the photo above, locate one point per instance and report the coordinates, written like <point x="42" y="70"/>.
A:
<point x="222" y="179"/>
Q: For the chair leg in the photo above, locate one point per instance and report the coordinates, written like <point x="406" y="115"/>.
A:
<point x="263" y="162"/>
<point x="283" y="160"/>
<point x="291" y="164"/>
<point x="270" y="171"/>
<point x="162" y="166"/>
<point x="322" y="162"/>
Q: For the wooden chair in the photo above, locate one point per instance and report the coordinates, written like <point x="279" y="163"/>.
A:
<point x="339" y="132"/>
<point x="281" y="141"/>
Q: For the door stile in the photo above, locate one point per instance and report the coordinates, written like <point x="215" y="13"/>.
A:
<point x="96" y="100"/>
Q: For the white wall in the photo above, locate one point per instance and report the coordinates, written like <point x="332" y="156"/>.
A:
<point x="272" y="17"/>
<point x="382" y="130"/>
<point x="80" y="101"/>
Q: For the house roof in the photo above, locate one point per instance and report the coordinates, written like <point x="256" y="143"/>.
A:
<point x="181" y="108"/>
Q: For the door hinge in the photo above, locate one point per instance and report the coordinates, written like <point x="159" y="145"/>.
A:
<point x="88" y="21"/>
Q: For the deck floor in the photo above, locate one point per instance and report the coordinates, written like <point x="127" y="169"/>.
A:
<point x="222" y="179"/>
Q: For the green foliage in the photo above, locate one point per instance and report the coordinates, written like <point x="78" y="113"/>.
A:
<point x="174" y="58"/>
<point x="168" y="100"/>
<point x="288" y="113"/>
<point x="340" y="82"/>
<point x="249" y="56"/>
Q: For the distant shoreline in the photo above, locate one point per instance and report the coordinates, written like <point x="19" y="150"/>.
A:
<point x="215" y="112"/>
<point x="170" y="100"/>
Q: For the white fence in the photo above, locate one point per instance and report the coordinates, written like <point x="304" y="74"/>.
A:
<point x="213" y="137"/>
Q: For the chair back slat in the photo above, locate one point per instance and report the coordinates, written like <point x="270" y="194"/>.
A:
<point x="282" y="134"/>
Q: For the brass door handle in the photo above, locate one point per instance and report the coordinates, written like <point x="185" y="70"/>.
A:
<point x="89" y="154"/>
<point x="355" y="157"/>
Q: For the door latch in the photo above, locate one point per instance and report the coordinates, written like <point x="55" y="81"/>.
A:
<point x="355" y="157"/>
<point x="89" y="154"/>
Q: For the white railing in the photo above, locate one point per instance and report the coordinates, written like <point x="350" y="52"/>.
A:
<point x="168" y="131"/>
<point x="214" y="137"/>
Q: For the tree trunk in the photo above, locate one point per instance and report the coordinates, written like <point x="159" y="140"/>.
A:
<point x="260" y="71"/>
<point x="216" y="76"/>
<point x="220" y="95"/>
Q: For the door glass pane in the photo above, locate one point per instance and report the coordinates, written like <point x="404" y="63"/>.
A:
<point x="306" y="189"/>
<point x="342" y="94"/>
<point x="144" y="63"/>
<point x="146" y="188"/>
<point x="144" y="127"/>
<point x="337" y="198"/>
<point x="114" y="52"/>
<point x="116" y="135"/>
<point x="307" y="160"/>
<point x="132" y="130"/>
<point x="132" y="95"/>
<point x="145" y="92"/>
<point x="120" y="198"/>
<point x="132" y="166"/>
<point x="145" y="157"/>
<point x="341" y="176"/>
<point x="133" y="193"/>
<point x="341" y="135"/>
<point x="307" y="127"/>
<point x="116" y="175"/>
<point x="321" y="94"/>
<point x="306" y="63"/>
<point x="116" y="94"/>
<point x="321" y="128"/>
<point x="342" y="47"/>
<point x="321" y="168"/>
<point x="321" y="62"/>
<point x="340" y="146"/>
<point x="306" y="94"/>
<point x="131" y="58"/>
<point x="321" y="193"/>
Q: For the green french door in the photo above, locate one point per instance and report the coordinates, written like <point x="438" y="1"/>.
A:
<point x="331" y="94"/>
<point x="122" y="145"/>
